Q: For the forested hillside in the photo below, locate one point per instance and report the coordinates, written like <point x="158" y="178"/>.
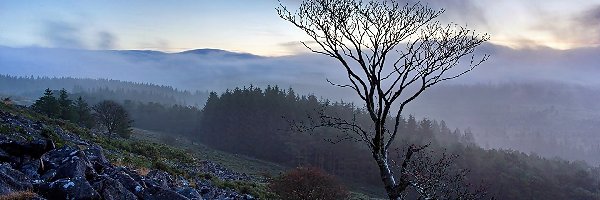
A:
<point x="260" y="123"/>
<point x="30" y="88"/>
<point x="257" y="123"/>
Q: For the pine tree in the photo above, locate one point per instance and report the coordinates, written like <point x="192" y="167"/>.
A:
<point x="83" y="112"/>
<point x="47" y="104"/>
<point x="66" y="106"/>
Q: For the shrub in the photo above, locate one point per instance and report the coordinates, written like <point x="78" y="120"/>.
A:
<point x="308" y="183"/>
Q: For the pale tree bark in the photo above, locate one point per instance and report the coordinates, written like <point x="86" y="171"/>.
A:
<point x="391" y="53"/>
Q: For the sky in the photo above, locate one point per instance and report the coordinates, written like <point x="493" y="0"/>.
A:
<point x="253" y="26"/>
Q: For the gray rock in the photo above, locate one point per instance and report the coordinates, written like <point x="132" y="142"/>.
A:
<point x="190" y="193"/>
<point x="157" y="193"/>
<point x="34" y="148"/>
<point x="110" y="189"/>
<point x="96" y="158"/>
<point x="128" y="182"/>
<point x="31" y="168"/>
<point x="158" y="178"/>
<point x="68" y="162"/>
<point x="12" y="180"/>
<point x="68" y="188"/>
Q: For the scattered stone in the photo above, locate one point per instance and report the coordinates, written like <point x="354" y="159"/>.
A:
<point x="190" y="193"/>
<point x="157" y="193"/>
<point x="30" y="161"/>
<point x="158" y="178"/>
<point x="110" y="189"/>
<point x="128" y="182"/>
<point x="12" y="180"/>
<point x="31" y="168"/>
<point x="68" y="188"/>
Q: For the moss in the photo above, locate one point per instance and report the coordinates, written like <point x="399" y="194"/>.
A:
<point x="20" y="129"/>
<point x="58" y="141"/>
<point x="4" y="129"/>
<point x="162" y="165"/>
<point x="259" y="190"/>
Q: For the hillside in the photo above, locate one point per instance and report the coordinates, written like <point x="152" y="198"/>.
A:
<point x="30" y="88"/>
<point x="54" y="159"/>
<point x="256" y="123"/>
<point x="562" y="118"/>
<point x="248" y="131"/>
<point x="239" y="163"/>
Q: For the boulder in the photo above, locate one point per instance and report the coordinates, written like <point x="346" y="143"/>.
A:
<point x="110" y="189"/>
<point x="128" y="182"/>
<point x="54" y="158"/>
<point x="31" y="168"/>
<point x="67" y="162"/>
<point x="48" y="175"/>
<point x="96" y="158"/>
<point x="158" y="178"/>
<point x="34" y="148"/>
<point x="12" y="180"/>
<point x="68" y="188"/>
<point x="190" y="193"/>
<point x="157" y="193"/>
<point x="4" y="156"/>
<point x="74" y="167"/>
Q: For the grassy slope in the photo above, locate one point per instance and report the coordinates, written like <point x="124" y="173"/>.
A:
<point x="140" y="155"/>
<point x="239" y="163"/>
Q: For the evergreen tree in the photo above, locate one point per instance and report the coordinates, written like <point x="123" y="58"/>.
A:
<point x="67" y="111"/>
<point x="47" y="104"/>
<point x="468" y="138"/>
<point x="83" y="112"/>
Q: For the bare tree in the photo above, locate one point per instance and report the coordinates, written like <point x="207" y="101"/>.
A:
<point x="432" y="176"/>
<point x="391" y="53"/>
<point x="113" y="117"/>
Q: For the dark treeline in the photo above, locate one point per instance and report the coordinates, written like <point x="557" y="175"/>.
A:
<point x="107" y="114"/>
<point x="58" y="104"/>
<point x="33" y="87"/>
<point x="175" y="119"/>
<point x="256" y="122"/>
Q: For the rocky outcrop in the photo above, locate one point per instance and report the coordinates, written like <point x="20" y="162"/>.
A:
<point x="31" y="161"/>
<point x="12" y="180"/>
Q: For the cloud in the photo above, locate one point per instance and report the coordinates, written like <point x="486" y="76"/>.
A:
<point x="581" y="29"/>
<point x="106" y="40"/>
<point x="458" y="11"/>
<point x="305" y="72"/>
<point x="588" y="23"/>
<point x="296" y="47"/>
<point x="62" y="34"/>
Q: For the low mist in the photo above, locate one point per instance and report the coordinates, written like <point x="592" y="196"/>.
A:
<point x="515" y="95"/>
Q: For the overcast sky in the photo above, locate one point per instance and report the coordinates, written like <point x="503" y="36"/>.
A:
<point x="253" y="25"/>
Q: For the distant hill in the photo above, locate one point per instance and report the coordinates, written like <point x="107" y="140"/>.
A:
<point x="198" y="69"/>
<point x="219" y="52"/>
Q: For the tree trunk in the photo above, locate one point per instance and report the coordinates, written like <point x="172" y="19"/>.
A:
<point x="387" y="177"/>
